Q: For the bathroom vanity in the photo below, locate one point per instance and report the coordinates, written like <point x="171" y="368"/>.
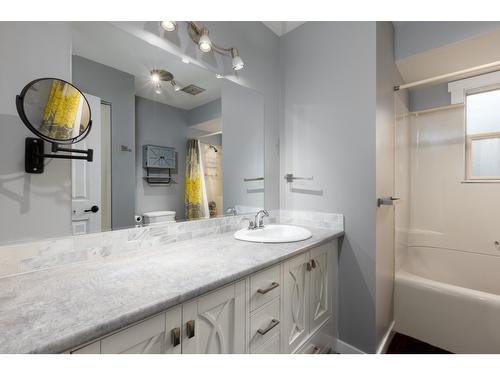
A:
<point x="212" y="294"/>
<point x="285" y="308"/>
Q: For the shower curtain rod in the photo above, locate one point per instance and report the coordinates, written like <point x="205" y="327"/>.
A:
<point x="209" y="135"/>
<point x="444" y="77"/>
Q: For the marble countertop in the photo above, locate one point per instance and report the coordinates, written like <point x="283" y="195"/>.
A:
<point x="54" y="310"/>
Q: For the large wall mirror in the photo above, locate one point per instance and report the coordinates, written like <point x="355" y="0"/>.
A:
<point x="171" y="140"/>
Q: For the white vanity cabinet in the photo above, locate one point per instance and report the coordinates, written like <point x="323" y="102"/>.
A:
<point x="308" y="295"/>
<point x="286" y="308"/>
<point x="215" y="323"/>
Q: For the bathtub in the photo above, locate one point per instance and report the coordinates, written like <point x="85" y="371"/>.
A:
<point x="449" y="299"/>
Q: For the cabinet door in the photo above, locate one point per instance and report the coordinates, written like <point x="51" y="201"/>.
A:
<point x="295" y="303"/>
<point x="320" y="289"/>
<point x="147" y="337"/>
<point x="216" y="323"/>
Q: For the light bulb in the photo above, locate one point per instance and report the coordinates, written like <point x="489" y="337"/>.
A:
<point x="155" y="77"/>
<point x="238" y="63"/>
<point x="168" y="25"/>
<point x="204" y="44"/>
<point x="175" y="85"/>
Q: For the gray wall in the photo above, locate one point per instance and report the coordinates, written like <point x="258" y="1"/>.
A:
<point x="162" y="125"/>
<point x="116" y="87"/>
<point x="417" y="37"/>
<point x="429" y="97"/>
<point x="328" y="132"/>
<point x="205" y="112"/>
<point x="242" y="145"/>
<point x="33" y="206"/>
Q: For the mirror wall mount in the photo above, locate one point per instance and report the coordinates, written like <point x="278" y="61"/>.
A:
<point x="57" y="112"/>
<point x="34" y="154"/>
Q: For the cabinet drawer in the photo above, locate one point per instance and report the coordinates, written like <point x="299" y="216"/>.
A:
<point x="264" y="323"/>
<point x="147" y="337"/>
<point x="272" y="346"/>
<point x="264" y="286"/>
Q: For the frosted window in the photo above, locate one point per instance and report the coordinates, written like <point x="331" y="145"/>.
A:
<point x="483" y="112"/>
<point x="485" y="158"/>
<point x="483" y="135"/>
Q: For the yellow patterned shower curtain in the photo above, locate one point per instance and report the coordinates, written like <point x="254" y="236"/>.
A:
<point x="61" y="110"/>
<point x="194" y="192"/>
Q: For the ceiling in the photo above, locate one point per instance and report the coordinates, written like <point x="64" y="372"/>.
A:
<point x="465" y="54"/>
<point x="114" y="47"/>
<point x="282" y="27"/>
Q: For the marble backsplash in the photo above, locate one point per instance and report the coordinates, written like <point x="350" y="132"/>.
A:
<point x="31" y="256"/>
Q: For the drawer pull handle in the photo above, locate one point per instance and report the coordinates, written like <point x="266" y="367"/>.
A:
<point x="273" y="285"/>
<point x="313" y="263"/>
<point x="176" y="336"/>
<point x="190" y="329"/>
<point x="274" y="323"/>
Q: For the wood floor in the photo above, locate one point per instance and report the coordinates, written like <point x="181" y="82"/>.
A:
<point x="401" y="344"/>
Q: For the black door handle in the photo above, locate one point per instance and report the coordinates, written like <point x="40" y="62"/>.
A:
<point x="93" y="209"/>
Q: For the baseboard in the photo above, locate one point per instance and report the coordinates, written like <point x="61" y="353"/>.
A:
<point x="344" y="348"/>
<point x="386" y="340"/>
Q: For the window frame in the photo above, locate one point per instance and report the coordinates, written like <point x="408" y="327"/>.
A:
<point x="473" y="137"/>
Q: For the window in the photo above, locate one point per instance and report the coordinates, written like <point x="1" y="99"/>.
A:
<point x="482" y="119"/>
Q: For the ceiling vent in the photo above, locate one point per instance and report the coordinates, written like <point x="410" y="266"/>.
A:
<point x="192" y="89"/>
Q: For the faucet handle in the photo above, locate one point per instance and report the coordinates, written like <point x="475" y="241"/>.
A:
<point x="251" y="224"/>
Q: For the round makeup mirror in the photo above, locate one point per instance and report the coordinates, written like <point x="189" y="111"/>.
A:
<point x="54" y="110"/>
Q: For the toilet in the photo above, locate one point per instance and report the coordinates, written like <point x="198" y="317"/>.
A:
<point x="159" y="217"/>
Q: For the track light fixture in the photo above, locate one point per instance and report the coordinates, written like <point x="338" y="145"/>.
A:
<point x="204" y="43"/>
<point x="199" y="35"/>
<point x="168" y="25"/>
<point x="158" y="76"/>
<point x="238" y="63"/>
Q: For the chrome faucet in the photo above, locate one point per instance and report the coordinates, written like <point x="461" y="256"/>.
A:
<point x="258" y="222"/>
<point x="259" y="219"/>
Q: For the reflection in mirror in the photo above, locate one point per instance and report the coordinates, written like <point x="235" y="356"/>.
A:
<point x="54" y="110"/>
<point x="193" y="141"/>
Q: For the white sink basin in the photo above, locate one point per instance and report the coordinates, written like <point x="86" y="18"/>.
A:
<point x="274" y="233"/>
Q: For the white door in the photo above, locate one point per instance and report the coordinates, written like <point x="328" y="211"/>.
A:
<point x="215" y="323"/>
<point x="321" y="286"/>
<point x="295" y="303"/>
<point x="86" y="177"/>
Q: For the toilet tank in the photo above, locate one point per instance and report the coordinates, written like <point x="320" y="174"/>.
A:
<point x="158" y="217"/>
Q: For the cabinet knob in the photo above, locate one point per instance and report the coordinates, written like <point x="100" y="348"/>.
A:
<point x="176" y="336"/>
<point x="313" y="263"/>
<point x="308" y="266"/>
<point x="190" y="329"/>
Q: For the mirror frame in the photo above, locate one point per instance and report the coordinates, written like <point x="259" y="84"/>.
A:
<point x="24" y="118"/>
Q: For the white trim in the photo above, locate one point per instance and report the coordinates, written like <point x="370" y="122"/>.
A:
<point x="386" y="340"/>
<point x="458" y="89"/>
<point x="345" y="348"/>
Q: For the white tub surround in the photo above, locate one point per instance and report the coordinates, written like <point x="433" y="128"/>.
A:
<point x="450" y="299"/>
<point x="59" y="308"/>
